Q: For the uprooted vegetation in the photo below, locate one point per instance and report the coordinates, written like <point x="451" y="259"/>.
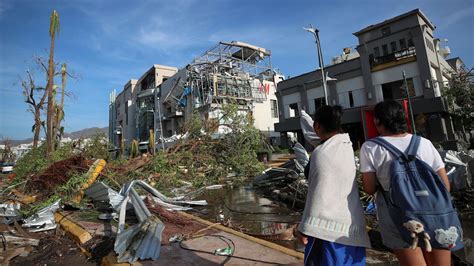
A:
<point x="200" y="159"/>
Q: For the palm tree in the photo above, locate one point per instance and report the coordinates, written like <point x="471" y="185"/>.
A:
<point x="53" y="30"/>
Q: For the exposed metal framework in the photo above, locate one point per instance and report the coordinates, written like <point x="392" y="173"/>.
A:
<point x="232" y="71"/>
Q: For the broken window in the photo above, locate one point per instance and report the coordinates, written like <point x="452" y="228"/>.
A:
<point x="293" y="109"/>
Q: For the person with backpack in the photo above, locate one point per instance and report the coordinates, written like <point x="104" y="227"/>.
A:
<point x="333" y="223"/>
<point x="417" y="219"/>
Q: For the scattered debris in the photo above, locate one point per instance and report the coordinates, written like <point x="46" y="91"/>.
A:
<point x="9" y="212"/>
<point x="100" y="192"/>
<point x="457" y="169"/>
<point x="16" y="240"/>
<point x="92" y="175"/>
<point x="140" y="241"/>
<point x="42" y="220"/>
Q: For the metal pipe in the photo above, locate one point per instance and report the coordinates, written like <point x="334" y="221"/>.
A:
<point x="410" y="110"/>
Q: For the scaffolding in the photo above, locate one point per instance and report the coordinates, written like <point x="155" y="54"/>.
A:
<point x="229" y="72"/>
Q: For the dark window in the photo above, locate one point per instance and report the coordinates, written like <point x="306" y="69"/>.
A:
<point x="351" y="99"/>
<point x="318" y="102"/>
<point x="376" y="52"/>
<point x="403" y="44"/>
<point x="393" y="45"/>
<point x="410" y="43"/>
<point x="126" y="113"/>
<point x="385" y="49"/>
<point x="274" y="107"/>
<point x="386" y="31"/>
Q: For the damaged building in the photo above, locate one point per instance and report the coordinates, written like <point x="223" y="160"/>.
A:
<point x="358" y="79"/>
<point x="164" y="98"/>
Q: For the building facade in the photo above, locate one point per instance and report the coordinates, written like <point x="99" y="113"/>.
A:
<point x="357" y="80"/>
<point x="164" y="98"/>
<point x="131" y="112"/>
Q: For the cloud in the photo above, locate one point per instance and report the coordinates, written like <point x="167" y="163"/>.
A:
<point x="455" y="17"/>
<point x="5" y="5"/>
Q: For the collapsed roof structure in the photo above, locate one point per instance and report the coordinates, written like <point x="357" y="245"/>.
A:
<point x="230" y="72"/>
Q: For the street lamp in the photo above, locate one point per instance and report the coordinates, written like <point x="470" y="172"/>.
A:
<point x="158" y="107"/>
<point x="315" y="33"/>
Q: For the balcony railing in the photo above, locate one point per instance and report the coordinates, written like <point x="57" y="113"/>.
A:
<point x="405" y="53"/>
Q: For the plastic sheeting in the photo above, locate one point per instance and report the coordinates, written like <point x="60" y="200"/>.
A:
<point x="306" y="123"/>
<point x="301" y="155"/>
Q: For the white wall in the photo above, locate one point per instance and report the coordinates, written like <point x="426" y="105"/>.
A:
<point x="262" y="112"/>
<point x="395" y="73"/>
<point x="312" y="94"/>
<point x="354" y="85"/>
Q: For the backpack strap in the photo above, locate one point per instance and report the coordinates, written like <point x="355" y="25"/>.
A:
<point x="392" y="149"/>
<point x="413" y="147"/>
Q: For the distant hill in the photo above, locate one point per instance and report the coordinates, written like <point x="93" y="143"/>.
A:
<point x="87" y="132"/>
<point x="83" y="133"/>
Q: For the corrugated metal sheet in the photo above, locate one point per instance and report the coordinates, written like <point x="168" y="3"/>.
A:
<point x="43" y="219"/>
<point x="101" y="192"/>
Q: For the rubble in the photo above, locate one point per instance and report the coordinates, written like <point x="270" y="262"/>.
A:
<point x="42" y="220"/>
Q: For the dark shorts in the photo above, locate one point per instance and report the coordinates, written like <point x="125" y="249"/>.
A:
<point x="322" y="252"/>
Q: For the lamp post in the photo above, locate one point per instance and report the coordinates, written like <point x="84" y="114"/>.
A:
<point x="158" y="107"/>
<point x="315" y="33"/>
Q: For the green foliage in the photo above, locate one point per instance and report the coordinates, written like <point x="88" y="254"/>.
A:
<point x="97" y="147"/>
<point x="460" y="96"/>
<point x="72" y="186"/>
<point x="35" y="161"/>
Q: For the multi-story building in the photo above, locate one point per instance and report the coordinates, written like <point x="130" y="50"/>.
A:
<point x="163" y="99"/>
<point x="131" y="112"/>
<point x="234" y="72"/>
<point x="357" y="80"/>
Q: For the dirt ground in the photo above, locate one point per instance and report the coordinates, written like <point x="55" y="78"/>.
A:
<point x="54" y="249"/>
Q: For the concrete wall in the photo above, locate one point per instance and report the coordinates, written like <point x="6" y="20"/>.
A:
<point x="262" y="114"/>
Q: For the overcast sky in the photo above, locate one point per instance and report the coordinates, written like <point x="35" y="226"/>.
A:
<point x="106" y="43"/>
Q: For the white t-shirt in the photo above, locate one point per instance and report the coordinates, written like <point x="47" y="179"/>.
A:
<point x="375" y="158"/>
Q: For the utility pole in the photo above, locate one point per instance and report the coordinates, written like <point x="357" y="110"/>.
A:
<point x="319" y="52"/>
<point x="410" y="110"/>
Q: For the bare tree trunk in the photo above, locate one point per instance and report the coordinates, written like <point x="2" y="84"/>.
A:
<point x="51" y="101"/>
<point x="37" y="127"/>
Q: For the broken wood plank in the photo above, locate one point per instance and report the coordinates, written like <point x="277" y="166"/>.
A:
<point x="21" y="240"/>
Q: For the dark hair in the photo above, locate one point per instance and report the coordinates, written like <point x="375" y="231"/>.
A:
<point x="329" y="117"/>
<point x="390" y="114"/>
